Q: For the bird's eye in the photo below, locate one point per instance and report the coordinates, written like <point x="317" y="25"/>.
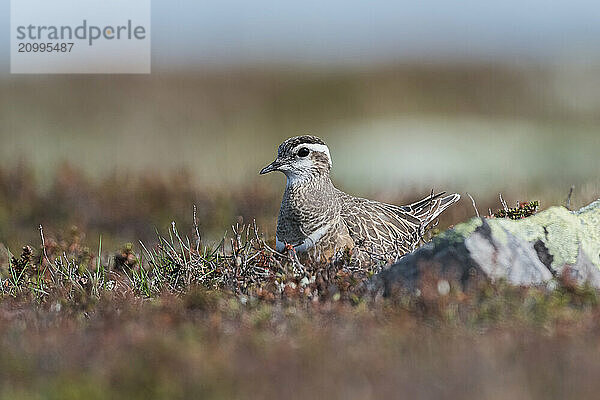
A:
<point x="303" y="152"/>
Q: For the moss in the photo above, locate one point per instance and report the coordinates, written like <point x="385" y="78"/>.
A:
<point x="498" y="232"/>
<point x="461" y="231"/>
<point x="589" y="218"/>
<point x="562" y="231"/>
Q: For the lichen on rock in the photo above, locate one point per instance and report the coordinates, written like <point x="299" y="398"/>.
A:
<point x="528" y="251"/>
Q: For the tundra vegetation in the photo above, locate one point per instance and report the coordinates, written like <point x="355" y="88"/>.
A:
<point x="176" y="315"/>
<point x="117" y="302"/>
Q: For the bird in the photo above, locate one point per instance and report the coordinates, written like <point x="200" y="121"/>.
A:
<point x="317" y="217"/>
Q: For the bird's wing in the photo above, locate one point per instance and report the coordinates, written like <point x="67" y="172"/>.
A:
<point x="387" y="227"/>
<point x="378" y="226"/>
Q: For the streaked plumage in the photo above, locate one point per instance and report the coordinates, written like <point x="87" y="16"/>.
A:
<point x="316" y="216"/>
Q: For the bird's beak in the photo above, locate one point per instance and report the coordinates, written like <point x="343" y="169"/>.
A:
<point x="274" y="166"/>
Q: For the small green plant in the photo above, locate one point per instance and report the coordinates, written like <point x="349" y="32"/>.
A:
<point x="522" y="210"/>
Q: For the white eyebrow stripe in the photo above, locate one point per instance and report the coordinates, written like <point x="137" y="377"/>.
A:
<point x="316" y="147"/>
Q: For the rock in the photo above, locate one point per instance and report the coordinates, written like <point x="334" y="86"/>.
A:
<point x="555" y="242"/>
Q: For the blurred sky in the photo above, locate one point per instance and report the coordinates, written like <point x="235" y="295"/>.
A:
<point x="348" y="32"/>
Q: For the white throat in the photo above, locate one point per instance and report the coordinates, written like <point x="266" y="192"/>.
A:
<point x="293" y="179"/>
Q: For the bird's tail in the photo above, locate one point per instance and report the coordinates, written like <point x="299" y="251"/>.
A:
<point x="428" y="209"/>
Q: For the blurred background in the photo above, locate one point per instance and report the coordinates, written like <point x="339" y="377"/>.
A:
<point x="475" y="97"/>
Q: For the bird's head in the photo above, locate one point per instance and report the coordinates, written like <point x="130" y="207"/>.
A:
<point x="301" y="158"/>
